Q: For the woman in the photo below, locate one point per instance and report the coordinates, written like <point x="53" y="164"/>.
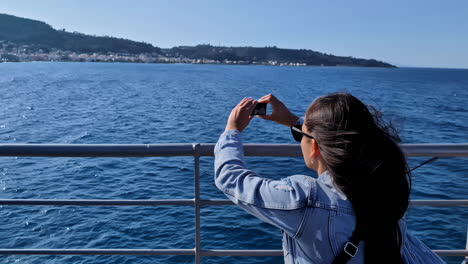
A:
<point x="353" y="212"/>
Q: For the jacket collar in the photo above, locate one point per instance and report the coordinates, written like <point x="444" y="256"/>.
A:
<point x="326" y="179"/>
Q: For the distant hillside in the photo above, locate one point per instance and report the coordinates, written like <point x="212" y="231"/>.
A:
<point x="251" y="54"/>
<point x="40" y="35"/>
<point x="24" y="39"/>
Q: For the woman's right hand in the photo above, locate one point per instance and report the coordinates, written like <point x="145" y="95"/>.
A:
<point x="280" y="113"/>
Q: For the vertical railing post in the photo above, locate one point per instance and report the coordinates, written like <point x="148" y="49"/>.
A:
<point x="465" y="261"/>
<point x="196" y="175"/>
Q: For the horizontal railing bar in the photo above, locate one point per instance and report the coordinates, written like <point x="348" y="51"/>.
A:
<point x="184" y="202"/>
<point x="451" y="253"/>
<point x="435" y="150"/>
<point x="167" y="150"/>
<point x="123" y="251"/>
<point x="252" y="252"/>
<point x="96" y="150"/>
<point x="211" y="202"/>
<point x="266" y="150"/>
<point x="440" y="203"/>
<point x="96" y="202"/>
<point x="173" y="252"/>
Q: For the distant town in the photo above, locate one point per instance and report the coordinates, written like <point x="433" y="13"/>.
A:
<point x="23" y="53"/>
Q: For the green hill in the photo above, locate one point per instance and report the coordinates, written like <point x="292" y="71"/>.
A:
<point x="40" y="35"/>
<point x="251" y="54"/>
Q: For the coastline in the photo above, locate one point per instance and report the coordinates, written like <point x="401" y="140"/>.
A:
<point x="274" y="64"/>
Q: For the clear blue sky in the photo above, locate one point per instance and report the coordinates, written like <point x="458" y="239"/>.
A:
<point x="421" y="33"/>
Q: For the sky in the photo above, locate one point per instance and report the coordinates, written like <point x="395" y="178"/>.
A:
<point x="412" y="33"/>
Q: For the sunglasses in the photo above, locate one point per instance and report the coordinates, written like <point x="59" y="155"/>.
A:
<point x="297" y="133"/>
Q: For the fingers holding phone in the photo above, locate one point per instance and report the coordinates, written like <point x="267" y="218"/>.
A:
<point x="280" y="113"/>
<point x="241" y="115"/>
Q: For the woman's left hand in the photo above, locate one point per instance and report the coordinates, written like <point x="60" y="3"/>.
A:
<point x="241" y="115"/>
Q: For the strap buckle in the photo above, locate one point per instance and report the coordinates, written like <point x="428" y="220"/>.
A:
<point x="350" y="249"/>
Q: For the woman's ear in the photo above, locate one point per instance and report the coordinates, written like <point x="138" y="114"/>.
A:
<point x="315" y="151"/>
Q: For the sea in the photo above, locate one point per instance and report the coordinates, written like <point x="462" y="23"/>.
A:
<point x="124" y="103"/>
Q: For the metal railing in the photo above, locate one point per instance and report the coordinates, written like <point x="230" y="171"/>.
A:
<point x="195" y="150"/>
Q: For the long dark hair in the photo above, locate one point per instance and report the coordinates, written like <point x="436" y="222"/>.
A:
<point x="364" y="160"/>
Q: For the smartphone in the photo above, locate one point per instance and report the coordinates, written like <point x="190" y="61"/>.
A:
<point x="260" y="109"/>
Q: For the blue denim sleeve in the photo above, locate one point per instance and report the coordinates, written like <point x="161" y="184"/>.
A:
<point x="279" y="202"/>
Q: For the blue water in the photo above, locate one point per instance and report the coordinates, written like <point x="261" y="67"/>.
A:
<point x="77" y="103"/>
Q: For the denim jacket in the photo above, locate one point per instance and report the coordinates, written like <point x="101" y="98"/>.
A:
<point x="315" y="217"/>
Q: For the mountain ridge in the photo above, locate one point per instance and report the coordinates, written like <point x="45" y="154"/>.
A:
<point x="23" y="39"/>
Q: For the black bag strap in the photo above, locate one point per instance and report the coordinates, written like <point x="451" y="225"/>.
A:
<point x="350" y="249"/>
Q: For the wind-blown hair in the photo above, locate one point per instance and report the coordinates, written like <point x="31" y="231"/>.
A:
<point x="361" y="155"/>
